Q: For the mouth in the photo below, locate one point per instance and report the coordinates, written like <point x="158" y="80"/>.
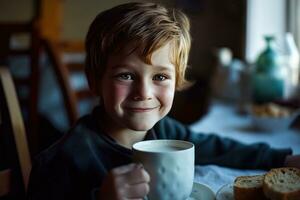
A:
<point x="140" y="109"/>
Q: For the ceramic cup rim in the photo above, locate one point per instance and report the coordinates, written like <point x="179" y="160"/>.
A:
<point x="182" y="144"/>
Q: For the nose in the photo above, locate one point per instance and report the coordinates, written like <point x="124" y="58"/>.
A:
<point x="142" y="91"/>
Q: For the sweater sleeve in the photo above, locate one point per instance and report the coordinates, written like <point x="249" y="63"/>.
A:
<point x="55" y="181"/>
<point x="213" y="149"/>
<point x="49" y="182"/>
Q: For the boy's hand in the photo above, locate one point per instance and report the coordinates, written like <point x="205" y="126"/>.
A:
<point x="125" y="182"/>
<point x="292" y="161"/>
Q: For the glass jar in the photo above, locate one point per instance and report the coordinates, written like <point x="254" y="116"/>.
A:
<point x="268" y="80"/>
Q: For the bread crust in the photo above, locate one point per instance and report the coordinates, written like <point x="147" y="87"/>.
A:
<point x="253" y="192"/>
<point x="272" y="180"/>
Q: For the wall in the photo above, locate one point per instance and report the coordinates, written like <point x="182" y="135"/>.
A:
<point x="79" y="14"/>
<point x="16" y="10"/>
<point x="267" y="17"/>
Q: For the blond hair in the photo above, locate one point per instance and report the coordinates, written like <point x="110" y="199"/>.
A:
<point x="148" y="26"/>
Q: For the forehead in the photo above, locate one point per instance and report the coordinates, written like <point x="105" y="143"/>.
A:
<point x="131" y="54"/>
<point x="163" y="56"/>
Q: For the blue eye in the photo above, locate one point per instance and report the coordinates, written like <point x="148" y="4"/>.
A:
<point x="160" y="77"/>
<point x="125" y="76"/>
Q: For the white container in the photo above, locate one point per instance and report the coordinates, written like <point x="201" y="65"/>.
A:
<point x="170" y="164"/>
<point x="291" y="60"/>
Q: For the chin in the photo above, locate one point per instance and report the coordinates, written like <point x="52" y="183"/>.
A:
<point x="142" y="126"/>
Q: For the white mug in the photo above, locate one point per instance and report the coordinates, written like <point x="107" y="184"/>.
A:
<point x="170" y="164"/>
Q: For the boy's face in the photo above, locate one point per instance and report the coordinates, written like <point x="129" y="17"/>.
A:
<point x="136" y="95"/>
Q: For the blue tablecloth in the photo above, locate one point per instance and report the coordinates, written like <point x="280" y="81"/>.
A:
<point x="224" y="120"/>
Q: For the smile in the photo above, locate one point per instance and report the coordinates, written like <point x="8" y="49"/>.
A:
<point x="141" y="110"/>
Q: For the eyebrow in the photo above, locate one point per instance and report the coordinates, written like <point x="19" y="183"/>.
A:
<point x="164" y="68"/>
<point x="157" y="67"/>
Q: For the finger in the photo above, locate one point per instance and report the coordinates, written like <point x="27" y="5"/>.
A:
<point x="137" y="191"/>
<point x="125" y="168"/>
<point x="136" y="176"/>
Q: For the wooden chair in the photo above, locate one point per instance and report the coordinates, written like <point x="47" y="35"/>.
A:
<point x="63" y="78"/>
<point x="15" y="163"/>
<point x="51" y="23"/>
<point x="51" y="15"/>
<point x="64" y="70"/>
<point x="44" y="25"/>
<point x="44" y="33"/>
<point x="29" y="80"/>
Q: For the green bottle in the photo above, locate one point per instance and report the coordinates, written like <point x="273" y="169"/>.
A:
<point x="268" y="79"/>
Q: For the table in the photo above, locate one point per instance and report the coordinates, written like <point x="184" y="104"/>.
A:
<point x="224" y="120"/>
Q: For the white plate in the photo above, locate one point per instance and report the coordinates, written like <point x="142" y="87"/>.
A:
<point x="225" y="193"/>
<point x="201" y="192"/>
<point x="272" y="124"/>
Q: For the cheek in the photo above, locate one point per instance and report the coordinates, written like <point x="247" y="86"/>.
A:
<point x="166" y="96"/>
<point x="119" y="92"/>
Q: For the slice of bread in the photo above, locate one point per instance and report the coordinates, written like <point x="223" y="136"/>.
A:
<point x="249" y="188"/>
<point x="282" y="184"/>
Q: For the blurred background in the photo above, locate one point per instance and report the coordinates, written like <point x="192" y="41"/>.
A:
<point x="245" y="54"/>
<point x="42" y="45"/>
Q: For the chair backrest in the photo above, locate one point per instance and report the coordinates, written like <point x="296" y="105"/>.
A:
<point x="63" y="78"/>
<point x="64" y="70"/>
<point x="28" y="75"/>
<point x="45" y="32"/>
<point x="13" y="138"/>
<point x="26" y="51"/>
<point x="67" y="60"/>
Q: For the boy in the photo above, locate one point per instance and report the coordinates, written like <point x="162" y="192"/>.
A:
<point x="136" y="58"/>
